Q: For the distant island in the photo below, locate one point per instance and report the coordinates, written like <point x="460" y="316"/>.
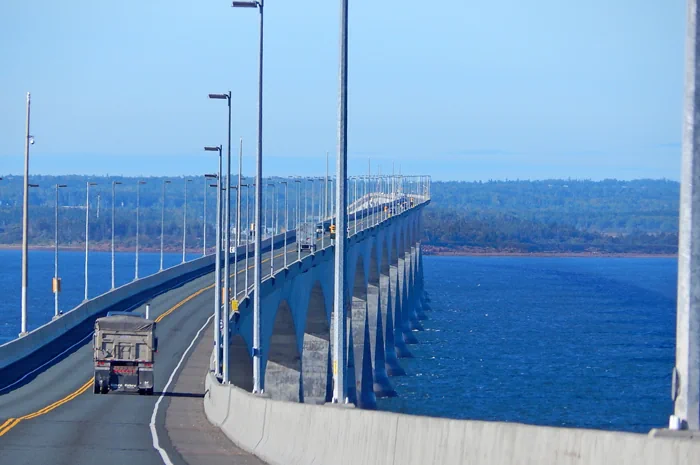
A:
<point x="512" y="217"/>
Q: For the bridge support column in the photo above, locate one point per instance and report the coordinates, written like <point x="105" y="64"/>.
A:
<point x="382" y="385"/>
<point x="418" y="283"/>
<point x="395" y="307"/>
<point x="405" y="304"/>
<point x="361" y="354"/>
<point x="391" y="362"/>
<point x="413" y="320"/>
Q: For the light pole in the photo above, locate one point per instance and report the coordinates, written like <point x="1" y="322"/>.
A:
<point x="235" y="259"/>
<point x="217" y="270"/>
<point x="114" y="192"/>
<point x="272" y="239"/>
<point x="257" y="360"/>
<point x="162" y="223"/>
<point x="286" y="221"/>
<point x="341" y="215"/>
<point x="238" y="196"/>
<point x="138" y="202"/>
<point x="296" y="226"/>
<point x="29" y="140"/>
<point x="56" y="280"/>
<point x="87" y="233"/>
<point x="206" y="185"/>
<point x="247" y="240"/>
<point x="184" y="224"/>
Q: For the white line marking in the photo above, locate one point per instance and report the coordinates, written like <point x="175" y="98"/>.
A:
<point x="42" y="366"/>
<point x="154" y="433"/>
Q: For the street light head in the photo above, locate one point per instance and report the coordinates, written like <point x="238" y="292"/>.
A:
<point x="61" y="185"/>
<point x="116" y="183"/>
<point x="244" y="4"/>
<point x="166" y="182"/>
<point x="33" y="185"/>
<point x="142" y="182"/>
<point x="211" y="149"/>
<point x="215" y="176"/>
<point x="213" y="185"/>
<point x="92" y="184"/>
<point x="218" y="96"/>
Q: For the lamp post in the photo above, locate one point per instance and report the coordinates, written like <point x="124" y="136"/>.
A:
<point x="217" y="270"/>
<point x="138" y="201"/>
<point x="184" y="224"/>
<point x="235" y="257"/>
<point x="286" y="221"/>
<point x="162" y="223"/>
<point x="87" y="233"/>
<point x="29" y="140"/>
<point x="298" y="214"/>
<point x="206" y="185"/>
<point x="247" y="240"/>
<point x="238" y="196"/>
<point x="257" y="360"/>
<point x="114" y="191"/>
<point x="272" y="239"/>
<point x="56" y="280"/>
<point x="341" y="215"/>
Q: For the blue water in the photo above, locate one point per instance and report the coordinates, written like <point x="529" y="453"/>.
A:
<point x="574" y="342"/>
<point x="40" y="299"/>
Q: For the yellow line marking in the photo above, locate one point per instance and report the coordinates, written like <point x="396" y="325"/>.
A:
<point x="12" y="422"/>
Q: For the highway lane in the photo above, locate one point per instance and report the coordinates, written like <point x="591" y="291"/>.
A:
<point x="65" y="425"/>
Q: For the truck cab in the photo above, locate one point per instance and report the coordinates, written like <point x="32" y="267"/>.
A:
<point x="124" y="346"/>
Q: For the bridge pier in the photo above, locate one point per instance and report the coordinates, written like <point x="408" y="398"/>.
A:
<point x="393" y="368"/>
<point x="405" y="306"/>
<point x="395" y="306"/>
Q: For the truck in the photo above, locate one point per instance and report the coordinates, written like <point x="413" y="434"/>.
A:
<point x="306" y="235"/>
<point x="124" y="347"/>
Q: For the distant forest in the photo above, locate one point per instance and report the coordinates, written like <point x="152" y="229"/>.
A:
<point x="557" y="216"/>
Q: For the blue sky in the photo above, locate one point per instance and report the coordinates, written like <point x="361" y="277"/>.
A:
<point x="460" y="89"/>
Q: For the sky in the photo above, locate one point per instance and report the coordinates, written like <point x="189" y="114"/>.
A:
<point x="458" y="89"/>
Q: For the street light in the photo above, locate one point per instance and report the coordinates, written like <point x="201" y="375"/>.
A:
<point x="114" y="191"/>
<point x="272" y="239"/>
<point x="247" y="240"/>
<point x="217" y="269"/>
<point x="29" y="140"/>
<point x="296" y="226"/>
<point x="138" y="203"/>
<point x="162" y="223"/>
<point x="87" y="233"/>
<point x="257" y="360"/>
<point x="339" y="390"/>
<point x="184" y="223"/>
<point x="286" y="222"/>
<point x="206" y="184"/>
<point x="56" y="281"/>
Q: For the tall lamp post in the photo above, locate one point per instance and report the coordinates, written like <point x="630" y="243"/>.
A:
<point x="296" y="225"/>
<point x="272" y="239"/>
<point x="341" y="215"/>
<point x="162" y="223"/>
<point x="56" y="280"/>
<point x="184" y="223"/>
<point x="29" y="140"/>
<point x="247" y="240"/>
<point x="286" y="221"/>
<point x="114" y="192"/>
<point x="257" y="360"/>
<point x="87" y="232"/>
<point x="207" y="177"/>
<point x="217" y="270"/>
<point x="138" y="203"/>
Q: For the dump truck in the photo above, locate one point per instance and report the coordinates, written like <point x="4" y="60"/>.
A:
<point x="124" y="347"/>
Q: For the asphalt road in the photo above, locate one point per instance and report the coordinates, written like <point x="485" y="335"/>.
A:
<point x="55" y="418"/>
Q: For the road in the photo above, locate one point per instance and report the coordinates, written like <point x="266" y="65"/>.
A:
<point x="55" y="418"/>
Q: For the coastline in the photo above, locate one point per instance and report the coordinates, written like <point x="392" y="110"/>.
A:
<point x="427" y="250"/>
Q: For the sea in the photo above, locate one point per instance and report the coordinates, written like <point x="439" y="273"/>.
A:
<point x="569" y="342"/>
<point x="583" y="342"/>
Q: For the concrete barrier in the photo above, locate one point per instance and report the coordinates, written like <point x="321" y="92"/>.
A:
<point x="135" y="293"/>
<point x="294" y="434"/>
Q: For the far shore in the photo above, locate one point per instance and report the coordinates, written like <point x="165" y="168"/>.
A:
<point x="428" y="251"/>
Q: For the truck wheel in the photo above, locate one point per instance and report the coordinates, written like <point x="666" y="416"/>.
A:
<point x="95" y="388"/>
<point x="104" y="390"/>
<point x="149" y="391"/>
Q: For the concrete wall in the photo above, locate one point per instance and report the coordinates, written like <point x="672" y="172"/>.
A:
<point x="292" y="433"/>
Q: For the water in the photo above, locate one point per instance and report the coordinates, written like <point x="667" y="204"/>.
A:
<point x="576" y="342"/>
<point x="40" y="299"/>
<point x="573" y="342"/>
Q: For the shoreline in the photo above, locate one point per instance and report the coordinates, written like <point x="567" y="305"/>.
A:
<point x="426" y="251"/>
